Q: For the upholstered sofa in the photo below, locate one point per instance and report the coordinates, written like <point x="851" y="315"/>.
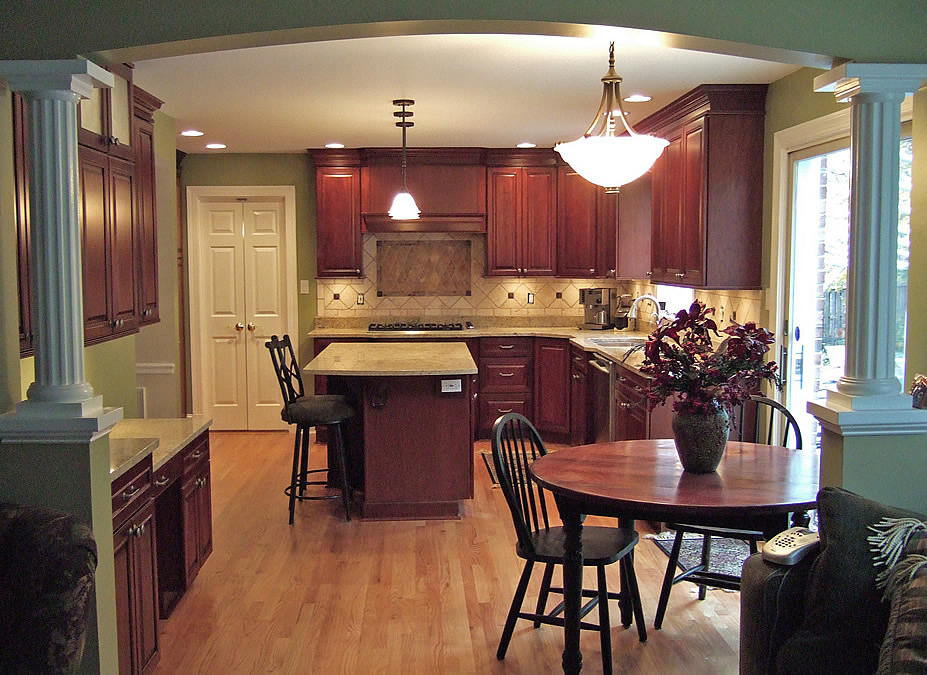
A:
<point x="47" y="565"/>
<point x="831" y="613"/>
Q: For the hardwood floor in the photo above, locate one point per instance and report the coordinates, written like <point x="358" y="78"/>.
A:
<point x="327" y="596"/>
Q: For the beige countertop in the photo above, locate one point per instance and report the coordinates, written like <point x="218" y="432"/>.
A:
<point x="611" y="344"/>
<point x="393" y="359"/>
<point x="131" y="439"/>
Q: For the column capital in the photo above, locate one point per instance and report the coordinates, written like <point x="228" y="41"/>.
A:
<point x="850" y="79"/>
<point x="76" y="75"/>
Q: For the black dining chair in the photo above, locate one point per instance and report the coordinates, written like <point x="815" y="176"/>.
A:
<point x="755" y="415"/>
<point x="515" y="444"/>
<point x="307" y="412"/>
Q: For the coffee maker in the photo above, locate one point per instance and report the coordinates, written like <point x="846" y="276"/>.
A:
<point x="598" y="304"/>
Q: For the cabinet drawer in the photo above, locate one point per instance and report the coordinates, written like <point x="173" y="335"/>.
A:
<point x="195" y="453"/>
<point x="509" y="375"/>
<point x="130" y="491"/>
<point x="495" y="347"/>
<point x="491" y="407"/>
<point x="163" y="476"/>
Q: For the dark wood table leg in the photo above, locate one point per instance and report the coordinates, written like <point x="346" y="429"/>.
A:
<point x="572" y="582"/>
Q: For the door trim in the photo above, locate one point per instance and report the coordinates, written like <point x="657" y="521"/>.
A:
<point x="195" y="196"/>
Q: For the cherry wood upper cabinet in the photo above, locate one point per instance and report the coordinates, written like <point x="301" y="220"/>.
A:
<point x="707" y="188"/>
<point x="586" y="227"/>
<point x="146" y="213"/>
<point x="448" y="185"/>
<point x="106" y="118"/>
<point x="522" y="214"/>
<point x="338" y="219"/>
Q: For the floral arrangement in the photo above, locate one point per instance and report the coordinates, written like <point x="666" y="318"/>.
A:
<point x="680" y="358"/>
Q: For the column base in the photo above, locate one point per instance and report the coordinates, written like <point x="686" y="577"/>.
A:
<point x="34" y="421"/>
<point x="888" y="415"/>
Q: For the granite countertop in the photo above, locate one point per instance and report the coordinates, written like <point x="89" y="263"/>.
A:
<point x="132" y="439"/>
<point x="610" y="344"/>
<point x="396" y="358"/>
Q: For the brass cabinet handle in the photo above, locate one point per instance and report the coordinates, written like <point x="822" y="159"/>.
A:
<point x="129" y="493"/>
<point x="197" y="454"/>
<point x="506" y="346"/>
<point x="162" y="481"/>
<point x="503" y="412"/>
<point x="506" y="374"/>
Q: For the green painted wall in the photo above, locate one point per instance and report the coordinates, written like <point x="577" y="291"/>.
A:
<point x="272" y="169"/>
<point x="870" y="30"/>
<point x="9" y="299"/>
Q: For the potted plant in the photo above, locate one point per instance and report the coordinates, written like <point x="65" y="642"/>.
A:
<point x="707" y="381"/>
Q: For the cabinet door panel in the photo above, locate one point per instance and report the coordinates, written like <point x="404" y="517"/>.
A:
<point x="503" y="248"/>
<point x="338" y="222"/>
<point x="576" y="206"/>
<point x="190" y="537"/>
<point x="693" y="221"/>
<point x="122" y="233"/>
<point x="204" y="515"/>
<point x="94" y="197"/>
<point x="144" y="559"/>
<point x="124" y="600"/>
<point x="539" y="220"/>
<point x="146" y="222"/>
<point x="552" y="385"/>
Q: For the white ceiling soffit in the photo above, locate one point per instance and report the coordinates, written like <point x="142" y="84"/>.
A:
<point x="469" y="90"/>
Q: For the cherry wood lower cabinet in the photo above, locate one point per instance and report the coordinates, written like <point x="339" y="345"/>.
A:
<point x="552" y="385"/>
<point x="580" y="393"/>
<point x="633" y="421"/>
<point x="506" y="379"/>
<point x="135" y="561"/>
<point x="184" y="511"/>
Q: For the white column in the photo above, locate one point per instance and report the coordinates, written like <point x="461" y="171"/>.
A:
<point x="52" y="90"/>
<point x="875" y="93"/>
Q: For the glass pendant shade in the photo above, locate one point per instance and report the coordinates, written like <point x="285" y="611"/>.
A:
<point x="404" y="206"/>
<point x="610" y="154"/>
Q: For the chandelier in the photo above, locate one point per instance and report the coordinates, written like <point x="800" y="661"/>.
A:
<point x="404" y="206"/>
<point x="601" y="155"/>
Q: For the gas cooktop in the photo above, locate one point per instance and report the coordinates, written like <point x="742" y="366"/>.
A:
<point x="415" y="325"/>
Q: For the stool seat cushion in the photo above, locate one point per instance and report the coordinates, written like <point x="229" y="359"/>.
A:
<point x="310" y="411"/>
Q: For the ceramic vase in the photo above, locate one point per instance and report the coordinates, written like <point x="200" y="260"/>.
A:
<point x="701" y="439"/>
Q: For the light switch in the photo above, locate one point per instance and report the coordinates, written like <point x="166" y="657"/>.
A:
<point x="530" y="298"/>
<point x="360" y="298"/>
<point x="451" y="386"/>
<point x="304" y="287"/>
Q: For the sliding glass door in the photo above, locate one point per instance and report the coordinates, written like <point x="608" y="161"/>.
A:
<point x="815" y="334"/>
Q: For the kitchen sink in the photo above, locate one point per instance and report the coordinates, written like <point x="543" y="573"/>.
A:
<point x="624" y="341"/>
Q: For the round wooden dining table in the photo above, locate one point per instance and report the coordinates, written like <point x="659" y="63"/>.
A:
<point x="755" y="487"/>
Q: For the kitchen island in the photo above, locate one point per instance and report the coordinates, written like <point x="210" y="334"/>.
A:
<point x="410" y="446"/>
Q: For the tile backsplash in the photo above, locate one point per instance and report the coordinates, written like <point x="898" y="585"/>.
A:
<point x="492" y="300"/>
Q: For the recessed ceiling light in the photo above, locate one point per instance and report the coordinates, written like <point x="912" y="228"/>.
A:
<point x="637" y="98"/>
<point x="334" y="146"/>
<point x="526" y="145"/>
<point x="191" y="132"/>
<point x="215" y="146"/>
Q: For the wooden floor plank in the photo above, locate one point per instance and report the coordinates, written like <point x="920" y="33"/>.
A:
<point x="329" y="596"/>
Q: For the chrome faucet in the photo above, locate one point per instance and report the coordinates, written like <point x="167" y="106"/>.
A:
<point x="657" y="314"/>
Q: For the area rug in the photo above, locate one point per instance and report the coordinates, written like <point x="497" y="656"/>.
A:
<point x="727" y="555"/>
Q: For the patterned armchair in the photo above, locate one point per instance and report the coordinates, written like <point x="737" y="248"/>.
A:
<point x="47" y="565"/>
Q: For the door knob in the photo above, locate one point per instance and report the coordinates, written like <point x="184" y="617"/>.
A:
<point x="251" y="326"/>
<point x="239" y="326"/>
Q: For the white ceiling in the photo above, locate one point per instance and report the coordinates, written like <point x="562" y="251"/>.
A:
<point x="469" y="90"/>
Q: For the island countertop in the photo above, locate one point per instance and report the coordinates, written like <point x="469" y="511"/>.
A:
<point x="392" y="359"/>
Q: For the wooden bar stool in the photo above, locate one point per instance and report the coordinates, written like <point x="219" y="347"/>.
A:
<point x="307" y="412"/>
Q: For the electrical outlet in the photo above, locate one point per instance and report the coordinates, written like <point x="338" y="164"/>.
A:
<point x="530" y="298"/>
<point x="360" y="298"/>
<point x="451" y="386"/>
<point x="734" y="315"/>
<point x="721" y="313"/>
<point x="304" y="287"/>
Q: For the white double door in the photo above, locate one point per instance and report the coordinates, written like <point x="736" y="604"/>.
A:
<point x="242" y="276"/>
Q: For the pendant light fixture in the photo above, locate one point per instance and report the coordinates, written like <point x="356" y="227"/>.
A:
<point x="604" y="157"/>
<point x="404" y="206"/>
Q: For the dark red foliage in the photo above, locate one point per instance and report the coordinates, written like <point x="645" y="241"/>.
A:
<point x="681" y="359"/>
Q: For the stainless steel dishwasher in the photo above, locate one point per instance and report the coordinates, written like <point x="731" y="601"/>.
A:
<point x="603" y="392"/>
